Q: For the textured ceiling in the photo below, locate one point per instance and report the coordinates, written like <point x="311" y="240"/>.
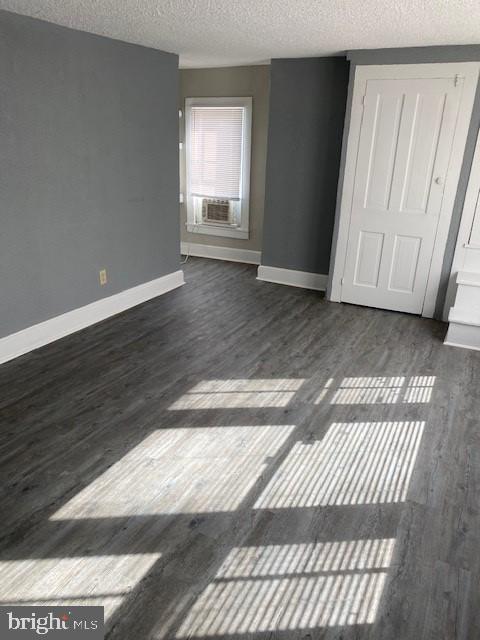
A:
<point x="233" y="32"/>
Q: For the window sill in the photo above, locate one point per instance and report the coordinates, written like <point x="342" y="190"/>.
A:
<point x="214" y="230"/>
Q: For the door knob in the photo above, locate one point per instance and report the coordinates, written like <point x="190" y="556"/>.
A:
<point x="438" y="180"/>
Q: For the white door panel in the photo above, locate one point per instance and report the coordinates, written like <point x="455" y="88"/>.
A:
<point x="377" y="151"/>
<point x="369" y="254"/>
<point x="406" y="252"/>
<point x="404" y="150"/>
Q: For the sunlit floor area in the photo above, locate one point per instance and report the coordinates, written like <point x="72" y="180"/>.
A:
<point x="243" y="460"/>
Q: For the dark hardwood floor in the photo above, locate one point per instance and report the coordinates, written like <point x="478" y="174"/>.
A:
<point x="243" y="460"/>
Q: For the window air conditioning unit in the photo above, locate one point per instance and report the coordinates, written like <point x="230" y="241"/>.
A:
<point x="217" y="211"/>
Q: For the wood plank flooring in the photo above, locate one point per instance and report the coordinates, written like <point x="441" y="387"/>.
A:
<point x="243" y="460"/>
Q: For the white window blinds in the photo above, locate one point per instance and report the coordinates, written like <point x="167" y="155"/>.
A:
<point x="216" y="135"/>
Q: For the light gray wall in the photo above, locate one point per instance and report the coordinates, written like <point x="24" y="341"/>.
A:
<point x="416" y="55"/>
<point x="233" y="82"/>
<point x="88" y="168"/>
<point x="307" y="108"/>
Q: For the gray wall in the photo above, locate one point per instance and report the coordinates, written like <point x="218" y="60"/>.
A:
<point x="233" y="82"/>
<point x="413" y="55"/>
<point x="88" y="168"/>
<point x="307" y="109"/>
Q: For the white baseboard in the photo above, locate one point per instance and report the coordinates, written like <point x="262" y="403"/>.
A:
<point x="43" y="333"/>
<point x="303" y="279"/>
<point x="463" y="335"/>
<point x="220" y="253"/>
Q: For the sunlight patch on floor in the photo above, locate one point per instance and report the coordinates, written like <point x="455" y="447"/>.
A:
<point x="289" y="587"/>
<point x="237" y="394"/>
<point x="96" y="580"/>
<point x="419" y="389"/>
<point x="355" y="463"/>
<point x="378" y="390"/>
<point x="277" y="560"/>
<point x="185" y="470"/>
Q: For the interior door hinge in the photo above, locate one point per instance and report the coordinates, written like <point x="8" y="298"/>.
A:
<point x="363" y="100"/>
<point x="342" y="281"/>
<point x="456" y="80"/>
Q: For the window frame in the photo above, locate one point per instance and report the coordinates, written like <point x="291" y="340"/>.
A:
<point x="240" y="231"/>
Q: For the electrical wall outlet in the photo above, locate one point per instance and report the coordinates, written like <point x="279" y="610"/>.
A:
<point x="102" y="276"/>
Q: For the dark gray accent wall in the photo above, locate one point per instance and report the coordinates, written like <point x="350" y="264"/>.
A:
<point x="419" y="55"/>
<point x="88" y="168"/>
<point x="415" y="55"/>
<point x="307" y="109"/>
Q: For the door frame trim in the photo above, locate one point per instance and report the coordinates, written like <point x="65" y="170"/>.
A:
<point x="469" y="71"/>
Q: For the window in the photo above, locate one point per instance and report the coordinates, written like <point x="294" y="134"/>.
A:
<point x="218" y="165"/>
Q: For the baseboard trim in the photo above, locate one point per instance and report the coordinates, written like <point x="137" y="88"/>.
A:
<point x="463" y="336"/>
<point x="39" y="335"/>
<point x="220" y="253"/>
<point x="302" y="279"/>
<point x="461" y="346"/>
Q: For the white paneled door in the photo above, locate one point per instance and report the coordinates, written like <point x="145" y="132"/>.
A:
<point x="406" y="133"/>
